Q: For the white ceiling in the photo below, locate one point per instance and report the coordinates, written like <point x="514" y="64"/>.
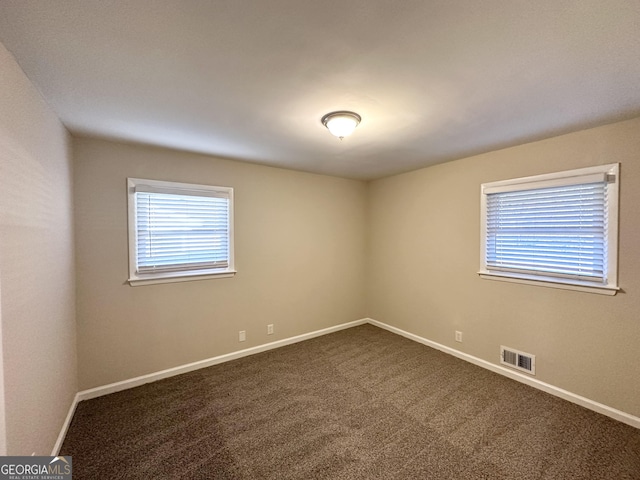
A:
<point x="434" y="80"/>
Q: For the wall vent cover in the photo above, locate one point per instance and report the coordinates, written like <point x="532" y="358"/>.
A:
<point x="516" y="359"/>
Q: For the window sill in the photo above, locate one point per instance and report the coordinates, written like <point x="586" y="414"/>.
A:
<point x="174" y="277"/>
<point x="550" y="283"/>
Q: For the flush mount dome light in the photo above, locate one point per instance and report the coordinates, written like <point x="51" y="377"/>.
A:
<point x="341" y="124"/>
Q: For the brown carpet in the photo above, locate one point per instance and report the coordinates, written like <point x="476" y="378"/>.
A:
<point x="362" y="403"/>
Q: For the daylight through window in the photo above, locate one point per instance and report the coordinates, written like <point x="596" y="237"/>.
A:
<point x="557" y="228"/>
<point x="179" y="231"/>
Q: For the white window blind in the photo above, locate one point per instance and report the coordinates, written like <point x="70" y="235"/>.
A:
<point x="558" y="231"/>
<point x="557" y="227"/>
<point x="179" y="229"/>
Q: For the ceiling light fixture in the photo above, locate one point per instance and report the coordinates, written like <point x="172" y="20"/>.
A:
<point x="341" y="124"/>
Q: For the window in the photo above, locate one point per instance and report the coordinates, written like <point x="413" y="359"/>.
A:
<point x="179" y="231"/>
<point x="558" y="229"/>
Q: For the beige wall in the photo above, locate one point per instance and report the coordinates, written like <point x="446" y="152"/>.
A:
<point x="36" y="266"/>
<point x="299" y="254"/>
<point x="424" y="229"/>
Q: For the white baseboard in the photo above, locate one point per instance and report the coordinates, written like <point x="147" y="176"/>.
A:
<point x="152" y="377"/>
<point x="532" y="382"/>
<point x="65" y="426"/>
<point x="170" y="372"/>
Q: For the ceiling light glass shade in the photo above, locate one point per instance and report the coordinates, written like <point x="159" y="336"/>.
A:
<point x="341" y="124"/>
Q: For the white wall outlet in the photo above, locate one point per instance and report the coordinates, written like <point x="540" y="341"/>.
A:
<point x="242" y="336"/>
<point x="458" y="336"/>
<point x="270" y="329"/>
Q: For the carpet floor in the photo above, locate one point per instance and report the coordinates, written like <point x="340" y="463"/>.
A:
<point x="361" y="403"/>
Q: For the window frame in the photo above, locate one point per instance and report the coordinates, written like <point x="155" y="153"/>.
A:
<point x="148" y="278"/>
<point x="610" y="172"/>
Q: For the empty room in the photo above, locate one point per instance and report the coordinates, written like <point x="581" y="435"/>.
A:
<point x="320" y="239"/>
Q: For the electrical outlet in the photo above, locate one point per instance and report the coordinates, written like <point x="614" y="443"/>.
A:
<point x="458" y="336"/>
<point x="242" y="336"/>
<point x="270" y="329"/>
